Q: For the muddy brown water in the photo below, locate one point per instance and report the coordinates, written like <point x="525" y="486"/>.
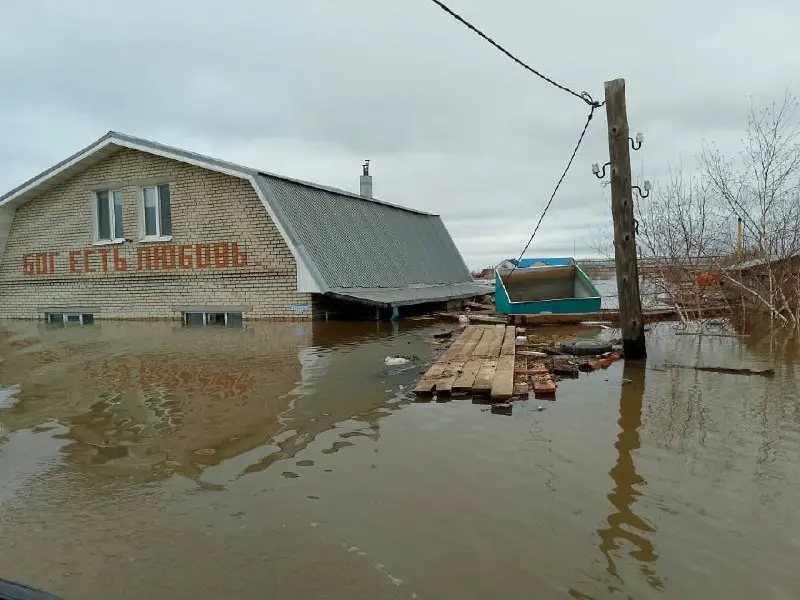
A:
<point x="283" y="460"/>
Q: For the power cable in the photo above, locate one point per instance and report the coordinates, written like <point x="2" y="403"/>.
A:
<point x="558" y="185"/>
<point x="585" y="96"/>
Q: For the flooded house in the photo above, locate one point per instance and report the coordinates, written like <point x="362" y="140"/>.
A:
<point x="133" y="229"/>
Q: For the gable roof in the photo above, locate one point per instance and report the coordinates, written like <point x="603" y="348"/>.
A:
<point x="343" y="243"/>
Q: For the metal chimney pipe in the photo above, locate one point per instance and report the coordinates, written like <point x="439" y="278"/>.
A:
<point x="366" y="181"/>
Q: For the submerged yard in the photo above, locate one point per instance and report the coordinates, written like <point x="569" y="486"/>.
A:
<point x="289" y="460"/>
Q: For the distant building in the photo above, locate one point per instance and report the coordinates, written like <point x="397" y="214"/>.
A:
<point x="133" y="229"/>
<point x="506" y="265"/>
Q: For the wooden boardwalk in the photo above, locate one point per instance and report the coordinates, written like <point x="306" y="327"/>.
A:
<point x="479" y="362"/>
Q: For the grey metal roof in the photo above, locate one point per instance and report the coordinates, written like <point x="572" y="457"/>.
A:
<point x="412" y="294"/>
<point x="355" y="243"/>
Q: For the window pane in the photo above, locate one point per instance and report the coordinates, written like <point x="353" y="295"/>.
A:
<point x="194" y="318"/>
<point x="103" y="217"/>
<point x="118" y="214"/>
<point x="234" y="318"/>
<point x="88" y="319"/>
<point x="150" y="212"/>
<point x="166" y="210"/>
<point x="215" y="318"/>
<point x="55" y="318"/>
<point x="73" y="318"/>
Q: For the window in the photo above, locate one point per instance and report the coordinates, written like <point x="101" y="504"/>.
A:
<point x="156" y="212"/>
<point x="108" y="216"/>
<point x="213" y="318"/>
<point x="62" y="319"/>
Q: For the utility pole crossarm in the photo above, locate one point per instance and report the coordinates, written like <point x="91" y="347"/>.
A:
<point x="630" y="304"/>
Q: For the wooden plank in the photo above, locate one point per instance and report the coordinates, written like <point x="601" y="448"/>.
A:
<point x="543" y="385"/>
<point x="475" y="318"/>
<point x="503" y="382"/>
<point x="497" y="341"/>
<point x="465" y="381"/>
<point x="482" y="348"/>
<point x="489" y="346"/>
<point x="520" y="388"/>
<point x="468" y="348"/>
<point x="428" y="381"/>
<point x="457" y="345"/>
<point x="444" y="385"/>
<point x="485" y="377"/>
<point x="479" y="306"/>
<point x="509" y="342"/>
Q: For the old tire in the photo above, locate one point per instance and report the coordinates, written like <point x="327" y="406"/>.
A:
<point x="585" y="347"/>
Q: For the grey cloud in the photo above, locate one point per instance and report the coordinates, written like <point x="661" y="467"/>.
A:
<point x="310" y="88"/>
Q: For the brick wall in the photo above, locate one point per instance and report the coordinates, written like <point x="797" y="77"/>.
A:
<point x="51" y="261"/>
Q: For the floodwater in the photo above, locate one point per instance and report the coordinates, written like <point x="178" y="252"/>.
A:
<point x="283" y="460"/>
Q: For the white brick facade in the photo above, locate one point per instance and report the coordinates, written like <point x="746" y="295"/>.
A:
<point x="51" y="261"/>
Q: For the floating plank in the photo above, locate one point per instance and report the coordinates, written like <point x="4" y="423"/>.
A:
<point x="543" y="385"/>
<point x="503" y="382"/>
<point x="520" y="388"/>
<point x="479" y="306"/>
<point x="476" y="334"/>
<point x="482" y="349"/>
<point x="509" y="341"/>
<point x="465" y="381"/>
<point x="444" y="385"/>
<point x="537" y="367"/>
<point x="428" y="381"/>
<point x="491" y="342"/>
<point x="453" y="351"/>
<point x="485" y="377"/>
<point x="497" y="341"/>
<point x="475" y="318"/>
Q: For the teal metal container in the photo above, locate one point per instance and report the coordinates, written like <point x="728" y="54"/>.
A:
<point x="550" y="289"/>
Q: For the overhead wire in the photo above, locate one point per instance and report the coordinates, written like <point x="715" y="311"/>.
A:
<point x="558" y="184"/>
<point x="585" y="96"/>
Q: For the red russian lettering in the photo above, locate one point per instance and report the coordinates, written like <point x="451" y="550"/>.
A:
<point x="239" y="258"/>
<point x="28" y="264"/>
<point x="185" y="257"/>
<point x="164" y="257"/>
<point x="41" y="263"/>
<point x="86" y="266"/>
<point x="104" y="252"/>
<point x="222" y="257"/>
<point x="203" y="256"/>
<point x="120" y="263"/>
<point x="144" y="259"/>
<point x="73" y="261"/>
<point x="51" y="257"/>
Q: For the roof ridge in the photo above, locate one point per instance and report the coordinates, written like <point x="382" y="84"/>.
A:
<point x="341" y="192"/>
<point x="252" y="170"/>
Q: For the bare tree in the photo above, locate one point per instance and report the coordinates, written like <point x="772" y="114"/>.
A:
<point x="761" y="185"/>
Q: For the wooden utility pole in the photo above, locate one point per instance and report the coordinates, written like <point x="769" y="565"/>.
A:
<point x="630" y="304"/>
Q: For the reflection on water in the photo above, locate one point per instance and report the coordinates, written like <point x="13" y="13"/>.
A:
<point x="153" y="400"/>
<point x="207" y="463"/>
<point x="624" y="524"/>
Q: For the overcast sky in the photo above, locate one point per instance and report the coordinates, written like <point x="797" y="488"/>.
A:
<point x="311" y="88"/>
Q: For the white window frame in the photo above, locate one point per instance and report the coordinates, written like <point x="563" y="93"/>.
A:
<point x="98" y="241"/>
<point x="65" y="318"/>
<point x="142" y="220"/>
<point x="213" y="312"/>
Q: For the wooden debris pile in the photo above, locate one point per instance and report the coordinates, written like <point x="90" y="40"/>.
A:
<point x="498" y="363"/>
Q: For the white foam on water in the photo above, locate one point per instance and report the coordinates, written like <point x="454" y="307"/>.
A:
<point x="8" y="396"/>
